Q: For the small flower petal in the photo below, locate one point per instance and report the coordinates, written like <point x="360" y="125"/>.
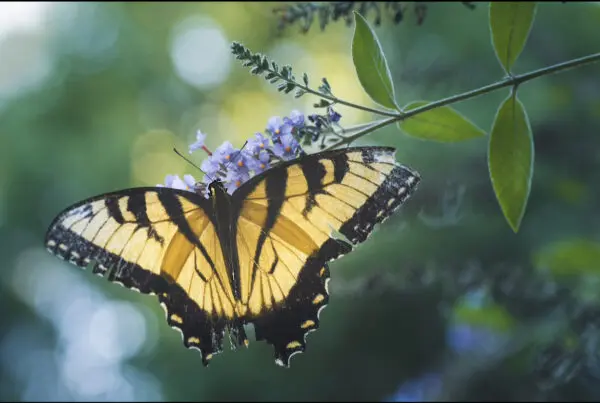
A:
<point x="277" y="127"/>
<point x="235" y="179"/>
<point x="296" y="119"/>
<point x="287" y="148"/>
<point x="257" y="143"/>
<point x="225" y="150"/>
<point x="333" y="115"/>
<point x="189" y="181"/>
<point x="261" y="162"/>
<point x="177" y="183"/>
<point x="199" y="143"/>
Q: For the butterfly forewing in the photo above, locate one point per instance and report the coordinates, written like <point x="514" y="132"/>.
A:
<point x="159" y="241"/>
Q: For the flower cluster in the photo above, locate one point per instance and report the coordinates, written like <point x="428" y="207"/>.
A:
<point x="279" y="142"/>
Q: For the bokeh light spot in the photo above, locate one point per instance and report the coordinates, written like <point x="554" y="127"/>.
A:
<point x="200" y="52"/>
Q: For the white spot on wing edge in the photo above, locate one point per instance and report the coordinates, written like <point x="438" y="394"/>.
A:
<point x="319" y="311"/>
<point x="164" y="307"/>
<point x="191" y="347"/>
<point x="294" y="353"/>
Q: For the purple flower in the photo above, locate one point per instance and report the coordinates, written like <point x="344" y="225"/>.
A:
<point x="225" y="151"/>
<point x="229" y="156"/>
<point x="277" y="127"/>
<point x="233" y="166"/>
<point x="199" y="143"/>
<point x="296" y="119"/>
<point x="240" y="161"/>
<point x="235" y="179"/>
<point x="258" y="143"/>
<point x="316" y="119"/>
<point x="210" y="166"/>
<point x="287" y="148"/>
<point x="175" y="182"/>
<point x="333" y="115"/>
<point x="261" y="162"/>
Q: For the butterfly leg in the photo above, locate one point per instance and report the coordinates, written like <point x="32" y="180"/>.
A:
<point x="237" y="334"/>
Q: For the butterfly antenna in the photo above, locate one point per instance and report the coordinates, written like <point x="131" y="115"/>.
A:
<point x="191" y="163"/>
<point x="241" y="149"/>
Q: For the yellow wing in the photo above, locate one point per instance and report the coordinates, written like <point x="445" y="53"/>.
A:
<point x="159" y="241"/>
<point x="284" y="233"/>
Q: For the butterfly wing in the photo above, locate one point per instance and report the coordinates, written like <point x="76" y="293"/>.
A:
<point x="284" y="233"/>
<point x="158" y="241"/>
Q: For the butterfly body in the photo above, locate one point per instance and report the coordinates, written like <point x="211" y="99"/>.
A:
<point x="257" y="256"/>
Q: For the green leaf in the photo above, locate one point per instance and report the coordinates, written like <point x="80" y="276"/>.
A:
<point x="567" y="258"/>
<point x="370" y="64"/>
<point x="510" y="159"/>
<point x="439" y="124"/>
<point x="510" y="23"/>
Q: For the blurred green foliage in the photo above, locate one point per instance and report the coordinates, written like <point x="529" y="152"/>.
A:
<point x="94" y="97"/>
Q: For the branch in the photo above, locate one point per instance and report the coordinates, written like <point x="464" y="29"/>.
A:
<point x="511" y="81"/>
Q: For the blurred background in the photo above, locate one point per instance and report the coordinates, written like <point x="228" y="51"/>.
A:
<point x="444" y="301"/>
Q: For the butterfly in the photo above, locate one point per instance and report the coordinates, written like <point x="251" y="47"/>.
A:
<point x="259" y="255"/>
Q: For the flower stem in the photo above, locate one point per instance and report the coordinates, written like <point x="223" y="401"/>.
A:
<point x="341" y="101"/>
<point x="511" y="81"/>
<point x="331" y="97"/>
<point x="206" y="150"/>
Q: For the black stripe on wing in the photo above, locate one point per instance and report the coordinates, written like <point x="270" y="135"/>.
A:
<point x="286" y="326"/>
<point x="399" y="184"/>
<point x="200" y="329"/>
<point x="391" y="194"/>
<point x="275" y="185"/>
<point x="339" y="158"/>
<point x="314" y="172"/>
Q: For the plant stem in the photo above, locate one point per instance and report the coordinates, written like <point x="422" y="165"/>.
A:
<point x="513" y="81"/>
<point x="336" y="99"/>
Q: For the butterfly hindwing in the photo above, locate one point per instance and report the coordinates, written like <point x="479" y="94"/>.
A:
<point x="158" y="241"/>
<point x="284" y="233"/>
